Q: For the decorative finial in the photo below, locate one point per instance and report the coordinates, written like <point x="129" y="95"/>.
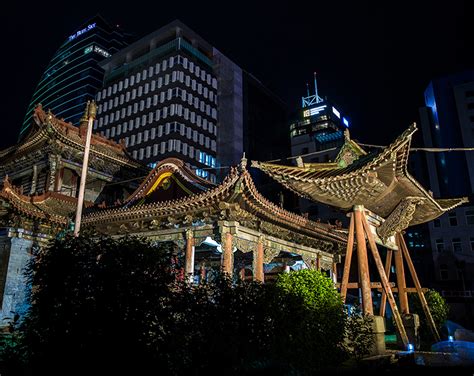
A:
<point x="243" y="163"/>
<point x="84" y="117"/>
<point x="347" y="135"/>
<point x="92" y="109"/>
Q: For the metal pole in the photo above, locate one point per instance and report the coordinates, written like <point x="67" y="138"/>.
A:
<point x="91" y="111"/>
<point x="385" y="283"/>
<point x="348" y="259"/>
<point x="421" y="295"/>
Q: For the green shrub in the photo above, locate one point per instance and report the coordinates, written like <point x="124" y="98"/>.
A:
<point x="439" y="310"/>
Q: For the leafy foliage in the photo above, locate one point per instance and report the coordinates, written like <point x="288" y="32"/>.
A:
<point x="359" y="334"/>
<point x="108" y="305"/>
<point x="439" y="310"/>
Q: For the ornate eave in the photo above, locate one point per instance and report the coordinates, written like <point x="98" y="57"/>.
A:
<point x="51" y="207"/>
<point x="379" y="181"/>
<point x="48" y="130"/>
<point x="169" y="167"/>
<point x="235" y="199"/>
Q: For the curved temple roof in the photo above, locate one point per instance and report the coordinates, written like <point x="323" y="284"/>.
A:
<point x="379" y="181"/>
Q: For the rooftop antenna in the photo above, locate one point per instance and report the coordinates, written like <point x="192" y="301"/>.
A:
<point x="316" y="89"/>
<point x="311" y="100"/>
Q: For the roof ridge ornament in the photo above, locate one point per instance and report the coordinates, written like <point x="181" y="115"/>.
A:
<point x="243" y="163"/>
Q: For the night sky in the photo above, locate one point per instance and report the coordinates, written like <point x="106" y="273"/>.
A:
<point x="373" y="60"/>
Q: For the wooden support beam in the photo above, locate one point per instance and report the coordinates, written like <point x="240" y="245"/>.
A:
<point x="373" y="285"/>
<point x="407" y="289"/>
<point x="259" y="274"/>
<point x="401" y="281"/>
<point x="421" y="295"/>
<point x="384" y="280"/>
<point x="388" y="264"/>
<point x="348" y="259"/>
<point x="363" y="262"/>
<point x="189" y="256"/>
<point x="227" y="254"/>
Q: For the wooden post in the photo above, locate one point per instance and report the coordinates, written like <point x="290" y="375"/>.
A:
<point x="189" y="256"/>
<point x="259" y="274"/>
<point x="348" y="259"/>
<point x="388" y="264"/>
<point x="385" y="283"/>
<point x="401" y="281"/>
<point x="202" y="273"/>
<point x="363" y="262"/>
<point x="227" y="254"/>
<point x="421" y="295"/>
<point x="91" y="112"/>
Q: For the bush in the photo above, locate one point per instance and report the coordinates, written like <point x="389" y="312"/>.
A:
<point x="439" y="310"/>
<point x="111" y="305"/>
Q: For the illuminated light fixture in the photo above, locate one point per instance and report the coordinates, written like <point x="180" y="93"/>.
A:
<point x="345" y="121"/>
<point x="410" y="347"/>
<point x="336" y="112"/>
<point x="450" y="338"/>
<point x="314" y="111"/>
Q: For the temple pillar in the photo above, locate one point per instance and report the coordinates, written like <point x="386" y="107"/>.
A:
<point x="189" y="256"/>
<point x="258" y="272"/>
<point x="34" y="179"/>
<point x="401" y="282"/>
<point x="363" y="262"/>
<point x="202" y="272"/>
<point x="227" y="254"/>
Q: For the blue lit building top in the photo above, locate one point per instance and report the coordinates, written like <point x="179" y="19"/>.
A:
<point x="73" y="76"/>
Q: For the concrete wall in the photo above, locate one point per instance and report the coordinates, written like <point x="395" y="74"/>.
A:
<point x="14" y="292"/>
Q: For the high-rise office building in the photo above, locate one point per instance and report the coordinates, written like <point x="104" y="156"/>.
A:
<point x="447" y="121"/>
<point x="172" y="94"/>
<point x="317" y="133"/>
<point x="160" y="96"/>
<point x="73" y="76"/>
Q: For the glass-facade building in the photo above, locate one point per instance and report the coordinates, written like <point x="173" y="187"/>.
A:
<point x="73" y="75"/>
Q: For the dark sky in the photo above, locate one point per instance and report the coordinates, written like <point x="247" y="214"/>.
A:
<point x="374" y="59"/>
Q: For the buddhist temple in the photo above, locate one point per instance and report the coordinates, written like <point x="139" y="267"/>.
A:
<point x="228" y="226"/>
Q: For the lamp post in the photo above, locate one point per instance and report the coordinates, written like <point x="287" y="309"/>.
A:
<point x="89" y="114"/>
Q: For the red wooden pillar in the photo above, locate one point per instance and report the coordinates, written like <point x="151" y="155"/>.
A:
<point x="363" y="262"/>
<point x="189" y="260"/>
<point x="259" y="274"/>
<point x="348" y="259"/>
<point x="401" y="281"/>
<point x="227" y="254"/>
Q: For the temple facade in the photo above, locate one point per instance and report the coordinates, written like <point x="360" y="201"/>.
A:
<point x="229" y="226"/>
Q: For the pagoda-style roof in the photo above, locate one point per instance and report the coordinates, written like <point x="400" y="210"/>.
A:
<point x="47" y="130"/>
<point x="170" y="179"/>
<point x="236" y="198"/>
<point x="378" y="180"/>
<point x="51" y="207"/>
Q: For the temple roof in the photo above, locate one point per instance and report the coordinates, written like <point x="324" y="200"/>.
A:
<point x="51" y="206"/>
<point x="47" y="129"/>
<point x="378" y="180"/>
<point x="237" y="193"/>
<point x="170" y="179"/>
<point x="236" y="198"/>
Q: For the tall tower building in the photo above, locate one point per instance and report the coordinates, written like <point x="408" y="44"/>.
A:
<point x="172" y="94"/>
<point x="447" y="121"/>
<point x="316" y="134"/>
<point x="73" y="76"/>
